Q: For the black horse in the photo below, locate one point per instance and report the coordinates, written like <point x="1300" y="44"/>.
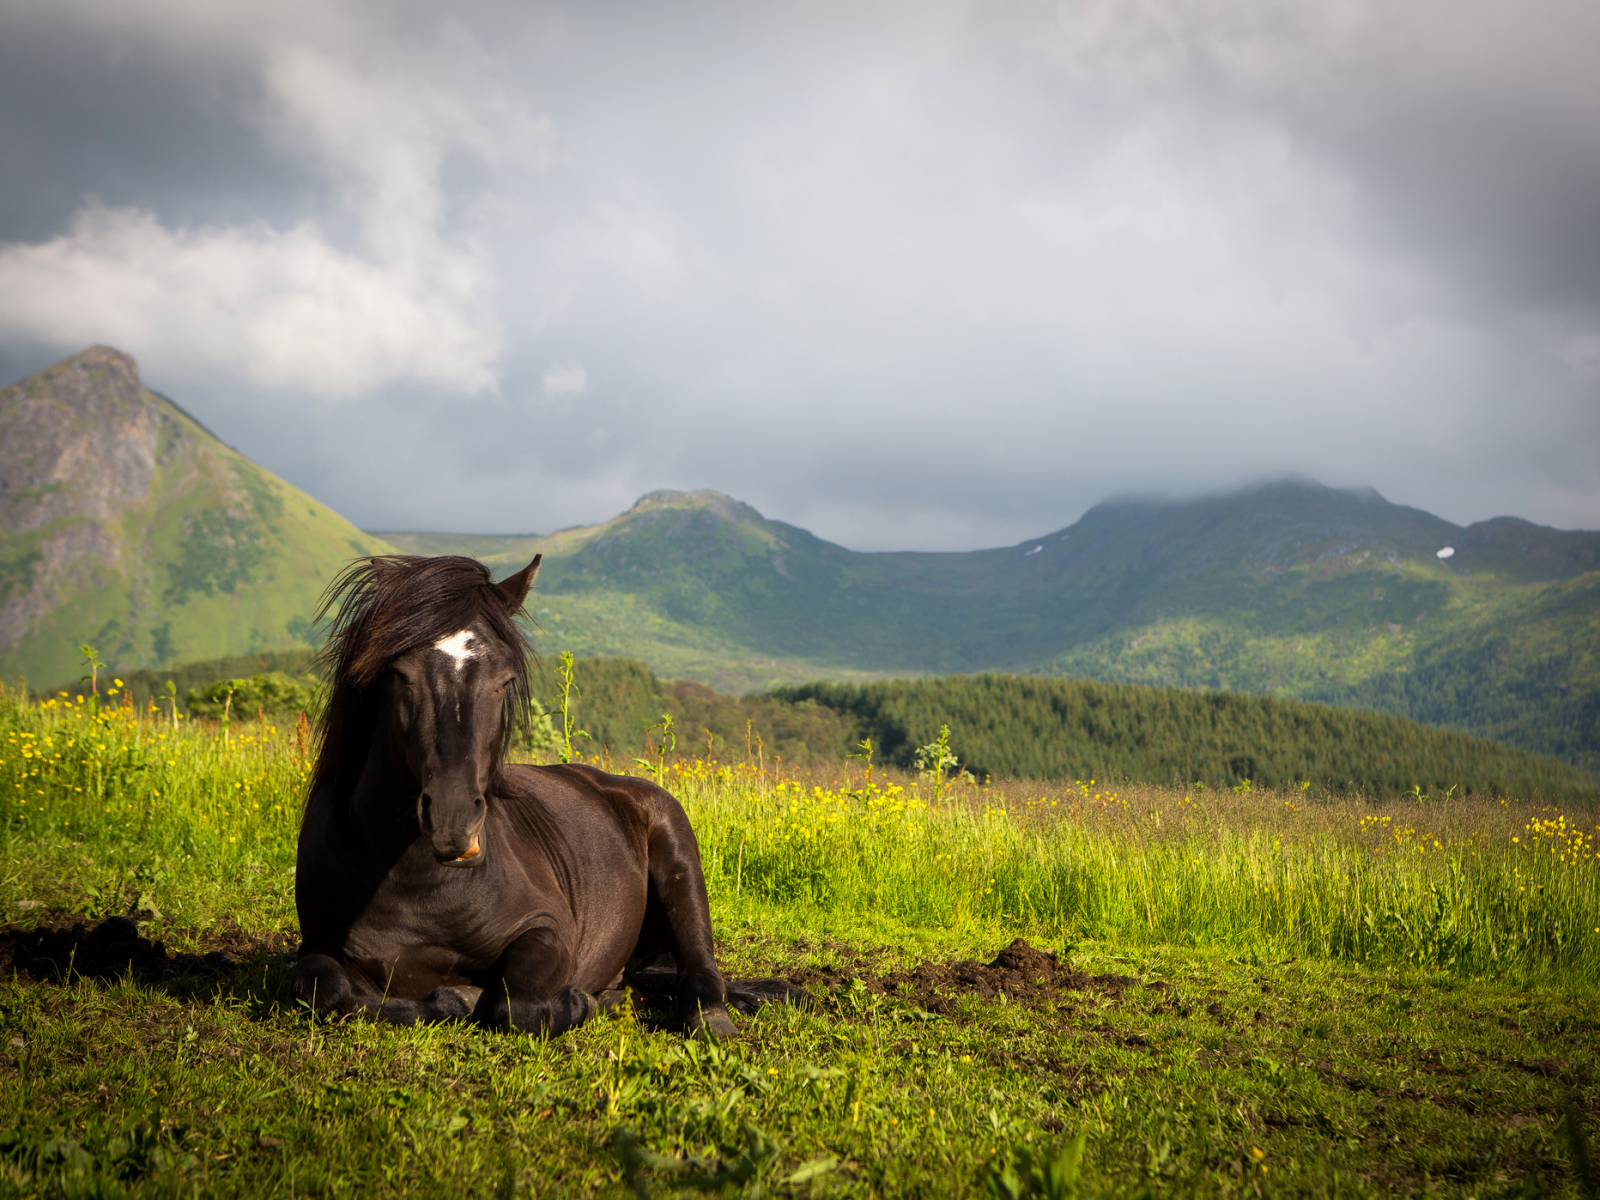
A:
<point x="435" y="880"/>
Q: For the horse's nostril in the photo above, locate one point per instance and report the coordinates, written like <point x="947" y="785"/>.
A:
<point x="477" y="804"/>
<point x="425" y="813"/>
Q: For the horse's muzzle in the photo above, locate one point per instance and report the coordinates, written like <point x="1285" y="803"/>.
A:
<point x="471" y="856"/>
<point x="457" y="847"/>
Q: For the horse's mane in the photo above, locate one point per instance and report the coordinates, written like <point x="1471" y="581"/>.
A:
<point x="387" y="606"/>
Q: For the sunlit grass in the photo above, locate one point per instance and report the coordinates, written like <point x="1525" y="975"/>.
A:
<point x="105" y="807"/>
<point x="1469" y="886"/>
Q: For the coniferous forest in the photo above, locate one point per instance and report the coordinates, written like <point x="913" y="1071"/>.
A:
<point x="1040" y="728"/>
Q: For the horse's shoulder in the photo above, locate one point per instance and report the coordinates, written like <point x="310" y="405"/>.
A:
<point x="632" y="800"/>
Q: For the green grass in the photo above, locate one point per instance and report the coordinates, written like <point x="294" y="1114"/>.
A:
<point x="1351" y="999"/>
<point x="1310" y="1080"/>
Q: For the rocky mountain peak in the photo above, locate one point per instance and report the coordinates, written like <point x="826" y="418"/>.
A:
<point x="702" y="499"/>
<point x="76" y="439"/>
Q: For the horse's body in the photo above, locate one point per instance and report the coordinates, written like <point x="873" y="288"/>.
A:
<point x="433" y="881"/>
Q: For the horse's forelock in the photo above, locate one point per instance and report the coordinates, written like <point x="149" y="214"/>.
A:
<point x="387" y="606"/>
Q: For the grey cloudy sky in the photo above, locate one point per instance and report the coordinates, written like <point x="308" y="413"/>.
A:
<point x="933" y="275"/>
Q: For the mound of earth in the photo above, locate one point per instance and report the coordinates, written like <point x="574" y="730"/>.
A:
<point x="1020" y="971"/>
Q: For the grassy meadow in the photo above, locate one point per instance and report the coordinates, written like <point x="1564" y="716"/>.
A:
<point x="1259" y="993"/>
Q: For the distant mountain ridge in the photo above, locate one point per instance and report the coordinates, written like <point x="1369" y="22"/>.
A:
<point x="1289" y="588"/>
<point x="125" y="524"/>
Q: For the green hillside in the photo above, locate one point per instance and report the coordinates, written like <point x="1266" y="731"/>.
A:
<point x="618" y="702"/>
<point x="125" y="524"/>
<point x="678" y="581"/>
<point x="1290" y="589"/>
<point x="1523" y="672"/>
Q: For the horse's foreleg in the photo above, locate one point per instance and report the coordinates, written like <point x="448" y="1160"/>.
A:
<point x="441" y="1004"/>
<point x="327" y="987"/>
<point x="321" y="982"/>
<point x="532" y="992"/>
<point x="680" y="888"/>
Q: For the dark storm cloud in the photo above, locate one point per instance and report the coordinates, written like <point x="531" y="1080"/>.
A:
<point x="129" y="120"/>
<point x="932" y="275"/>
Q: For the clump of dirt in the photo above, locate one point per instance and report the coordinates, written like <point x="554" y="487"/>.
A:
<point x="112" y="949"/>
<point x="232" y="939"/>
<point x="1021" y="972"/>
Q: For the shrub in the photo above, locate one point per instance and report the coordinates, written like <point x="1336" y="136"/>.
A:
<point x="271" y="692"/>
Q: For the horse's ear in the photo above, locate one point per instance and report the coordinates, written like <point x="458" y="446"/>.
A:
<point x="514" y="589"/>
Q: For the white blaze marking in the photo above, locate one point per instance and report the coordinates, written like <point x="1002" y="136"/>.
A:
<point x="456" y="647"/>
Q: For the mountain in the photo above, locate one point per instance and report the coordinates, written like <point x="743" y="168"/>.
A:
<point x="126" y="524"/>
<point x="1291" y="588"/>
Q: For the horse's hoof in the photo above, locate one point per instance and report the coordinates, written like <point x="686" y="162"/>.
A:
<point x="612" y="998"/>
<point x="713" y="1026"/>
<point x="321" y="984"/>
<point x="453" y="1003"/>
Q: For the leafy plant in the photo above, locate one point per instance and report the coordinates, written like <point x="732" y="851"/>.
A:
<point x="669" y="741"/>
<point x="936" y="760"/>
<point x="1046" y="1174"/>
<point x="568" y="691"/>
<point x="92" y="660"/>
<point x="864" y="752"/>
<point x="271" y="692"/>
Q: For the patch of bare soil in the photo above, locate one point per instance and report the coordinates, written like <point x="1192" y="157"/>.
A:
<point x="1020" y="972"/>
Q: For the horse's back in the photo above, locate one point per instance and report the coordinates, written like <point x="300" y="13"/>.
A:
<point x="591" y="807"/>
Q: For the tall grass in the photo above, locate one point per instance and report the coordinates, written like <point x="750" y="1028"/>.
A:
<point x="1468" y="886"/>
<point x="111" y="807"/>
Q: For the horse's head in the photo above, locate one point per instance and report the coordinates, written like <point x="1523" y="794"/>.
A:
<point x="449" y="717"/>
<point x="428" y="651"/>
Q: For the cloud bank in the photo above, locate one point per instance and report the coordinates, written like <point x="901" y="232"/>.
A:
<point x="934" y="276"/>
